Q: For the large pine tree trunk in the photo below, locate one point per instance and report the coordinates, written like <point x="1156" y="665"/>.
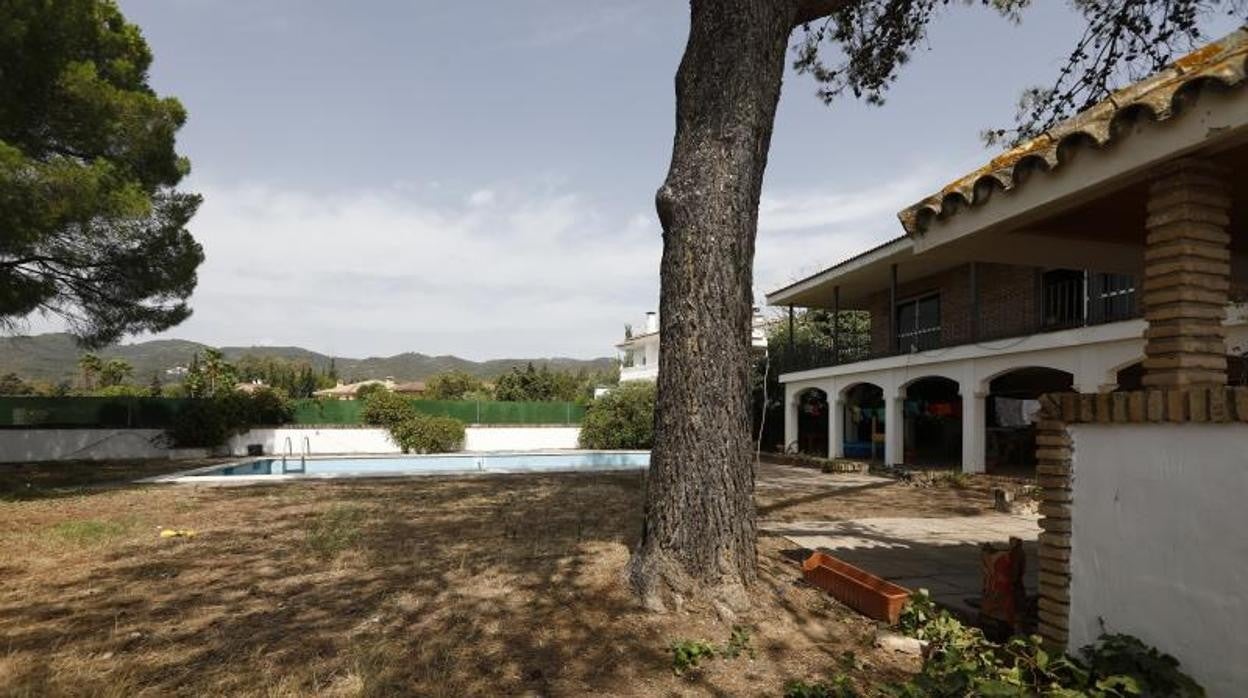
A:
<point x="699" y="532"/>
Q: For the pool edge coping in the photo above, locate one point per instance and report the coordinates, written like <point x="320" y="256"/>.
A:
<point x="191" y="477"/>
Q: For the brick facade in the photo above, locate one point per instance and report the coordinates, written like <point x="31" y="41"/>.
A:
<point x="1008" y="306"/>
<point x="1187" y="275"/>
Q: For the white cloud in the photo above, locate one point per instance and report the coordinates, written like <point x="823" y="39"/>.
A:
<point x="481" y="197"/>
<point x="506" y="270"/>
<point x="378" y="272"/>
<point x="803" y="232"/>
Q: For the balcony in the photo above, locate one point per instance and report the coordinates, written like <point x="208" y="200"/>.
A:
<point x="639" y="373"/>
<point x="1064" y="304"/>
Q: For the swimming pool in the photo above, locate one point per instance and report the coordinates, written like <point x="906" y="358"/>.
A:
<point x="448" y="464"/>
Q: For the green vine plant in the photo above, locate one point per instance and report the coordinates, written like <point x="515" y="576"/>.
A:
<point x="960" y="661"/>
<point x="839" y="686"/>
<point x="688" y="654"/>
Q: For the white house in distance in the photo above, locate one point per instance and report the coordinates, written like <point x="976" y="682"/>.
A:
<point x="639" y="352"/>
<point x="348" y="391"/>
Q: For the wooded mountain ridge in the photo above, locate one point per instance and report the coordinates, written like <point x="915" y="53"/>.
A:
<point x="53" y="357"/>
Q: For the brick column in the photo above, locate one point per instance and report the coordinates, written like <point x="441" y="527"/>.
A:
<point x="1053" y="475"/>
<point x="1187" y="276"/>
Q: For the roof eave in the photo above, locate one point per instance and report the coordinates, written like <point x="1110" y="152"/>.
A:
<point x="895" y="249"/>
<point x="1224" y="61"/>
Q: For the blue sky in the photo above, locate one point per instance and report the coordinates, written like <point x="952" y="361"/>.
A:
<point x="478" y="178"/>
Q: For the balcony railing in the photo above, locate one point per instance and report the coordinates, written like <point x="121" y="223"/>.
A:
<point x="1062" y="307"/>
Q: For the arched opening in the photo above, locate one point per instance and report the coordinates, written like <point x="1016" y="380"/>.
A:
<point x="812" y="422"/>
<point x="1131" y="377"/>
<point x="863" y="422"/>
<point x="933" y="423"/>
<point x="1013" y="400"/>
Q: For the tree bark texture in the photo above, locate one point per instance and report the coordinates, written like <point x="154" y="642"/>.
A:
<point x="698" y="538"/>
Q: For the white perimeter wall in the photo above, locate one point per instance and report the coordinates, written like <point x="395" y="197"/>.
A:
<point x="477" y="438"/>
<point x="521" y="438"/>
<point x="30" y="445"/>
<point x="1159" y="544"/>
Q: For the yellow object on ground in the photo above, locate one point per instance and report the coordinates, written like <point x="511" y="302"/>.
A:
<point x="176" y="533"/>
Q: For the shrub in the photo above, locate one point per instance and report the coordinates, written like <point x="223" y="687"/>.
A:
<point x="413" y="431"/>
<point x="623" y="418"/>
<point x="383" y="408"/>
<point x="422" y="433"/>
<point x="121" y="390"/>
<point x="200" y="424"/>
<point x="1156" y="673"/>
<point x="270" y="407"/>
<point x="453" y="385"/>
<point x="369" y="389"/>
<point x="960" y="661"/>
<point x="208" y="422"/>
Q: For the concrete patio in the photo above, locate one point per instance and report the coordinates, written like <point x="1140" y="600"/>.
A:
<point x="940" y="554"/>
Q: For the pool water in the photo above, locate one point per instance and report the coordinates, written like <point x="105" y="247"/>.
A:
<point x="447" y="463"/>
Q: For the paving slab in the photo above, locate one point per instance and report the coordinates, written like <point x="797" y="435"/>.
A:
<point x="941" y="555"/>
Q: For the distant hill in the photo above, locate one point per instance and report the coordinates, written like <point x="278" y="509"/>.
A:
<point x="54" y="357"/>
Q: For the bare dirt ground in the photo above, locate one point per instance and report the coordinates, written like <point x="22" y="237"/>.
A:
<point x="787" y="493"/>
<point x="504" y="585"/>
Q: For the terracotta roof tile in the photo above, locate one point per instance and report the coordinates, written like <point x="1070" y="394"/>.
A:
<point x="1158" y="96"/>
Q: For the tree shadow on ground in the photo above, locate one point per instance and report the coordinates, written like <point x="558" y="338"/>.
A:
<point x="821" y="496"/>
<point x="431" y="589"/>
<point x="484" y="585"/>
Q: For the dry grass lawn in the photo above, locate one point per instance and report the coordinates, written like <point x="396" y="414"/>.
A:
<point x="504" y="585"/>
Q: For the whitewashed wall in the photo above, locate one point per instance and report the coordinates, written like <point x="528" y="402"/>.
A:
<point x="521" y="438"/>
<point x="31" y="445"/>
<point x="363" y="440"/>
<point x="348" y="440"/>
<point x="1159" y="543"/>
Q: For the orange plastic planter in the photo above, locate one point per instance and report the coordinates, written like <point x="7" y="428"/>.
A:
<point x="856" y="588"/>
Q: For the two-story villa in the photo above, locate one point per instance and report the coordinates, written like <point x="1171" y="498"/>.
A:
<point x="1027" y="276"/>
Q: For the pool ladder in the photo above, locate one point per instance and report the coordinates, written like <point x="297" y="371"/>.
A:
<point x="305" y="450"/>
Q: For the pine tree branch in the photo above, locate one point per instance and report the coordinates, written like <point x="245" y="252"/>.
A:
<point x="810" y="10"/>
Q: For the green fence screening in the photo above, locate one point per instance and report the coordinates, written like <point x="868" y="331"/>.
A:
<point x="159" y="412"/>
<point x="483" y="412"/>
<point x="132" y="412"/>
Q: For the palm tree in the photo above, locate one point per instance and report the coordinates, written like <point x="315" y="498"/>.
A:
<point x="115" y="372"/>
<point x="219" y="373"/>
<point x="90" y="365"/>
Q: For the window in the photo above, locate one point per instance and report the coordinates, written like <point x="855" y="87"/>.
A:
<point x="1075" y="298"/>
<point x="1063" y="298"/>
<point x="918" y="323"/>
<point x="1116" y="298"/>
